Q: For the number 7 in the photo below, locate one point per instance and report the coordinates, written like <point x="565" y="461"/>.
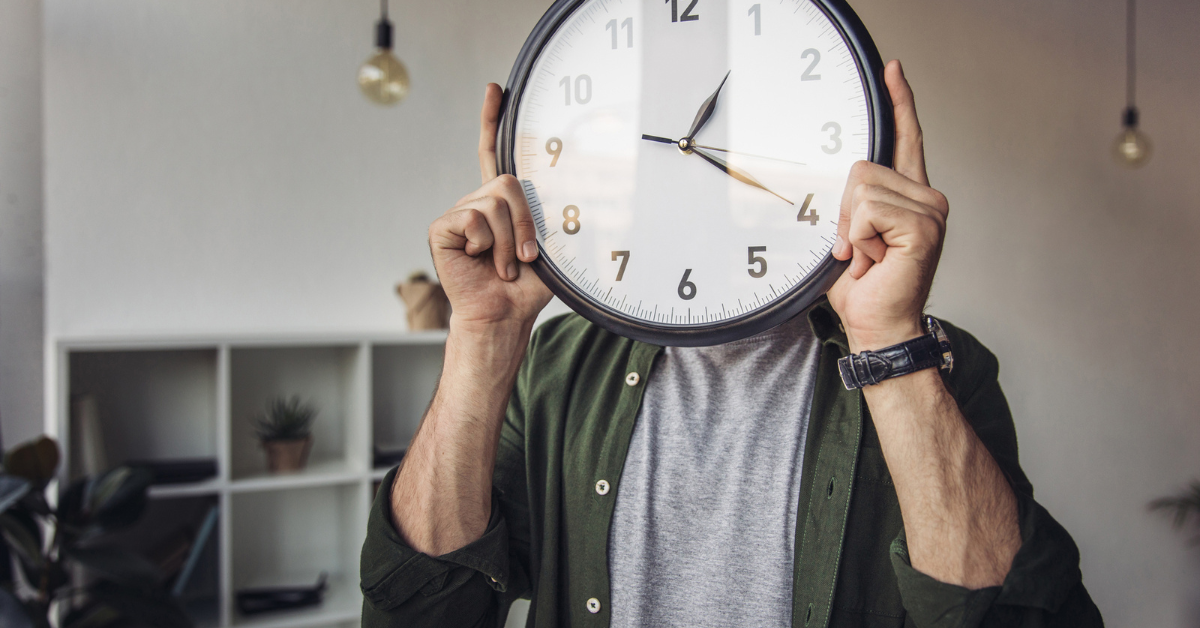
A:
<point x="624" y="255"/>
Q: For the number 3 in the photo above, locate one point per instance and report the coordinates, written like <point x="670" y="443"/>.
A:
<point x="835" y="134"/>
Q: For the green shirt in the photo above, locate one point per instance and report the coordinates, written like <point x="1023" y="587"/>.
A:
<point x="568" y="426"/>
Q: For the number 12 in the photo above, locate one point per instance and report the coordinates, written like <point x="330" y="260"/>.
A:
<point x="687" y="13"/>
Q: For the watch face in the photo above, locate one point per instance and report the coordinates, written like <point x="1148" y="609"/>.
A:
<point x="685" y="160"/>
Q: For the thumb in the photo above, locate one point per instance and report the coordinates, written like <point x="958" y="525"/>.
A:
<point x="910" y="144"/>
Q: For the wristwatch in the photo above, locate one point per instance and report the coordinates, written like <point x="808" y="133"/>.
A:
<point x="871" y="367"/>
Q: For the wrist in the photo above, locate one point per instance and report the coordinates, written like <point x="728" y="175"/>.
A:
<point x="881" y="338"/>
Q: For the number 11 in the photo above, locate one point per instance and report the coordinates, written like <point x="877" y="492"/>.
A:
<point x="628" y="25"/>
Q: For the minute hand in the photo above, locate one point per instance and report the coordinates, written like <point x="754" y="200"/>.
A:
<point x="740" y="175"/>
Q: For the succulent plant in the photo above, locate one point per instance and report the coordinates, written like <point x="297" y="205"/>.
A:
<point x="285" y="418"/>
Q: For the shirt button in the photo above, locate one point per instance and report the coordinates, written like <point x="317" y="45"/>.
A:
<point x="602" y="487"/>
<point x="632" y="379"/>
<point x="593" y="606"/>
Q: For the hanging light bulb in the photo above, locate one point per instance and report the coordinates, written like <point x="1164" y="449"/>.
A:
<point x="1132" y="148"/>
<point x="383" y="79"/>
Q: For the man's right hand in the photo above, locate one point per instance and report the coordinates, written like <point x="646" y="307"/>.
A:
<point x="442" y="495"/>
<point x="482" y="246"/>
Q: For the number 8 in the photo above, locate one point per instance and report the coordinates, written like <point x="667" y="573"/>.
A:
<point x="571" y="223"/>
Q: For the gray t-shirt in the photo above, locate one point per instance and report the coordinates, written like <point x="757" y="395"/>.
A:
<point x="703" y="532"/>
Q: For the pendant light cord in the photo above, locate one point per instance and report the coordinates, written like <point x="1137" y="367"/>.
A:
<point x="383" y="9"/>
<point x="1130" y="54"/>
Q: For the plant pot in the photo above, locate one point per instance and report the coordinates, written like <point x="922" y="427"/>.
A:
<point x="286" y="456"/>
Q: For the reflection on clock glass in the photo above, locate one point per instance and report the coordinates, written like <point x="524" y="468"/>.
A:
<point x="658" y="211"/>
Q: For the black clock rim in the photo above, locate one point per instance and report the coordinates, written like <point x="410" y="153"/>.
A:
<point x="799" y="297"/>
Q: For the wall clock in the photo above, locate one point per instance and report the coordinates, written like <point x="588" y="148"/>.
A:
<point x="685" y="160"/>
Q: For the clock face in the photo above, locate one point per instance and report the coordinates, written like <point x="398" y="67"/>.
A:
<point x="685" y="160"/>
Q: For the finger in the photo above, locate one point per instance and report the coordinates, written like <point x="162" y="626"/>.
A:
<point x="873" y="174"/>
<point x="524" y="231"/>
<point x="867" y="192"/>
<point x="910" y="144"/>
<point x="489" y="119"/>
<point x="464" y="229"/>
<point x="860" y="264"/>
<point x="871" y="220"/>
<point x="859" y="174"/>
<point x="495" y="210"/>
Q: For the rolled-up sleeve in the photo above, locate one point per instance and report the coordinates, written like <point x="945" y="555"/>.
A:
<point x="403" y="587"/>
<point x="1044" y="585"/>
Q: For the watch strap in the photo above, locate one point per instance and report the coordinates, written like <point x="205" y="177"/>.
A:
<point x="871" y="367"/>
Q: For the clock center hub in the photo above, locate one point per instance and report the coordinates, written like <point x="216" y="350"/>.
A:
<point x="685" y="146"/>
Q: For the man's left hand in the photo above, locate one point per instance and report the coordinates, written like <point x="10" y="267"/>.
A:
<point x="891" y="227"/>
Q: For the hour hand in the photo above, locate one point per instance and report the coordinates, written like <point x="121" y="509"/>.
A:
<point x="736" y="173"/>
<point x="706" y="110"/>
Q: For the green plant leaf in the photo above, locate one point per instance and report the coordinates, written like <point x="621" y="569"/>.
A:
<point x="32" y="537"/>
<point x="119" y="497"/>
<point x="25" y="544"/>
<point x="12" y="612"/>
<point x="35" y="461"/>
<point x="12" y="489"/>
<point x="118" y="565"/>
<point x="156" y="609"/>
<point x="92" y="615"/>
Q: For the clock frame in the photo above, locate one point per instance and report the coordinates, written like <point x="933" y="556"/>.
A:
<point x="800" y="296"/>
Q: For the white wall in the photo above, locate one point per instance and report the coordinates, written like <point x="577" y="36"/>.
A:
<point x="211" y="167"/>
<point x="20" y="219"/>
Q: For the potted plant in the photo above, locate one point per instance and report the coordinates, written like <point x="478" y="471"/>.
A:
<point x="284" y="429"/>
<point x="67" y="574"/>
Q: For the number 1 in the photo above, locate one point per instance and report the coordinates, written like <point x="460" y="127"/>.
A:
<point x="756" y="11"/>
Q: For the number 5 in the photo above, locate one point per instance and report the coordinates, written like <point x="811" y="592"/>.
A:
<point x="754" y="259"/>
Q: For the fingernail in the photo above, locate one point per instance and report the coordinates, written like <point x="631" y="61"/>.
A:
<point x="530" y="249"/>
<point x="839" y="247"/>
<point x="512" y="271"/>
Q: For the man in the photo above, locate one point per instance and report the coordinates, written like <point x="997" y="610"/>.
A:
<point x="614" y="482"/>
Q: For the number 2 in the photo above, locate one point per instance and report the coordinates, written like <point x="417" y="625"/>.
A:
<point x="687" y="13"/>
<point x="816" y="55"/>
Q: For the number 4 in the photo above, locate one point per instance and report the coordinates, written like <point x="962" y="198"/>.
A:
<point x="808" y="215"/>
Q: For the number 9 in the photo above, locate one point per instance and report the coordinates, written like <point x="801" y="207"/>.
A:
<point x="554" y="147"/>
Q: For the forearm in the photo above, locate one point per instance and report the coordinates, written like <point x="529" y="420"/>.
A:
<point x="960" y="514"/>
<point x="441" y="499"/>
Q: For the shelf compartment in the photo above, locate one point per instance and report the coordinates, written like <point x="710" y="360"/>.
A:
<point x="331" y="378"/>
<point x="288" y="537"/>
<point x="403" y="378"/>
<point x="166" y="535"/>
<point x="158" y="405"/>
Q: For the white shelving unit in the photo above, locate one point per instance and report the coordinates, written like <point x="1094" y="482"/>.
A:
<point x="184" y="398"/>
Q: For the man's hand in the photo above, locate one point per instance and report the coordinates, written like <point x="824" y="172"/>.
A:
<point x="481" y="247"/>
<point x="442" y="496"/>
<point x="959" y="512"/>
<point x="891" y="228"/>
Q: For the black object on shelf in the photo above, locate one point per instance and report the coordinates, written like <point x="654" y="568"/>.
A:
<point x="179" y="471"/>
<point x="268" y="599"/>
<point x="388" y="457"/>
